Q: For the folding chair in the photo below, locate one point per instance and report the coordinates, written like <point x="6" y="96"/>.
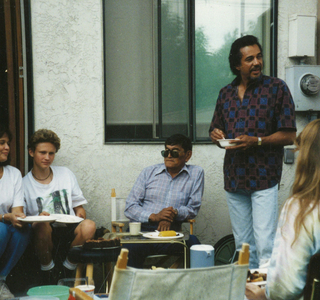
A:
<point x="119" y="222"/>
<point x="219" y="283"/>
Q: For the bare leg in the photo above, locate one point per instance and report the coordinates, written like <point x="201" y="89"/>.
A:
<point x="43" y="242"/>
<point x="84" y="231"/>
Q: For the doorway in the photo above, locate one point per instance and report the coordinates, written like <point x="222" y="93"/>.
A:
<point x="13" y="77"/>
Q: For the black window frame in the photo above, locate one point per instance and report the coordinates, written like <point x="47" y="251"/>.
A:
<point x="191" y="79"/>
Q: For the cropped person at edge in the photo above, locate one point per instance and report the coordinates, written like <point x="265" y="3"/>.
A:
<point x="14" y="234"/>
<point x="298" y="233"/>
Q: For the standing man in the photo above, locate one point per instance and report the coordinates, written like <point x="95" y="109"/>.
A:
<point x="165" y="195"/>
<point x="257" y="111"/>
<point x="54" y="190"/>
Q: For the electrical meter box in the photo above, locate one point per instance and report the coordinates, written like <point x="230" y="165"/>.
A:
<point x="304" y="84"/>
<point x="302" y="35"/>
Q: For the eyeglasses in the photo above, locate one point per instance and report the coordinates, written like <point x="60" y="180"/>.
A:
<point x="174" y="153"/>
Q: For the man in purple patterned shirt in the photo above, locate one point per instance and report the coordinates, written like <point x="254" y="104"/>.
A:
<point x="257" y="111"/>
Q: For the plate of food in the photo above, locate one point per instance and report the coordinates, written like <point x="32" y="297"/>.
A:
<point x="163" y="235"/>
<point x="33" y="219"/>
<point x="227" y="142"/>
<point x="63" y="218"/>
<point x="257" y="276"/>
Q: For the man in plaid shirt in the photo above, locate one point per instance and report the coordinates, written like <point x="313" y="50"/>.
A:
<point x="258" y="112"/>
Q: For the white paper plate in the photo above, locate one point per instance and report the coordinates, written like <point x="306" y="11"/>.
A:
<point x="227" y="143"/>
<point x="62" y="218"/>
<point x="155" y="235"/>
<point x="32" y="219"/>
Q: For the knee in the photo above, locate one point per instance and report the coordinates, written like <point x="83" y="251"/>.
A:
<point x="88" y="228"/>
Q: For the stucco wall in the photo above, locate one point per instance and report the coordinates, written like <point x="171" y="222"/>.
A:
<point x="68" y="95"/>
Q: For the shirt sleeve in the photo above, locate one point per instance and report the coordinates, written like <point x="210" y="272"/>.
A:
<point x="217" y="119"/>
<point x="289" y="262"/>
<point x="134" y="205"/>
<point x="18" y="196"/>
<point x="76" y="193"/>
<point x="191" y="210"/>
<point x="285" y="112"/>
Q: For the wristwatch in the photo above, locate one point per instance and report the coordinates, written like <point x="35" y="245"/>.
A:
<point x="259" y="141"/>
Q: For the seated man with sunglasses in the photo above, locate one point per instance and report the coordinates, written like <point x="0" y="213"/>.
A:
<point x="165" y="195"/>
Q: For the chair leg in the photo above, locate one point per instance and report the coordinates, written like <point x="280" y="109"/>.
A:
<point x="109" y="272"/>
<point x="89" y="272"/>
<point x="78" y="274"/>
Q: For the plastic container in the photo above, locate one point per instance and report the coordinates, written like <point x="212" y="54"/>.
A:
<point x="88" y="289"/>
<point x="201" y="256"/>
<point x="58" y="291"/>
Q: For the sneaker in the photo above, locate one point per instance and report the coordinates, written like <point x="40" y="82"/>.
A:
<point x="5" y="292"/>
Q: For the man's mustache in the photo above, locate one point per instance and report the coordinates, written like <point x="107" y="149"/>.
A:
<point x="256" y="69"/>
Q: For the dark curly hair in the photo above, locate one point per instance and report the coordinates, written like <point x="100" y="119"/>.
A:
<point x="235" y="54"/>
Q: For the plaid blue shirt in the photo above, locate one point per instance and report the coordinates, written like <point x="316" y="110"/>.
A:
<point x="155" y="189"/>
<point x="267" y="107"/>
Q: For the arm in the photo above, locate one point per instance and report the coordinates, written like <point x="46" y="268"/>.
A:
<point x="80" y="211"/>
<point x="216" y="130"/>
<point x="12" y="217"/>
<point x="254" y="292"/>
<point x="279" y="138"/>
<point x="167" y="214"/>
<point x="134" y="203"/>
<point x="217" y="134"/>
<point x="190" y="210"/>
<point x="288" y="266"/>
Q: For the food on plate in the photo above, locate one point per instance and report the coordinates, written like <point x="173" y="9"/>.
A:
<point x="157" y="268"/>
<point x="101" y="243"/>
<point x="167" y="233"/>
<point x="256" y="276"/>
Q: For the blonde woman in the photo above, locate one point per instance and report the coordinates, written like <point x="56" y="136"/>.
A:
<point x="298" y="233"/>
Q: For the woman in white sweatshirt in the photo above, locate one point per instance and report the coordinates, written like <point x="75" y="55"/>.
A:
<point x="14" y="234"/>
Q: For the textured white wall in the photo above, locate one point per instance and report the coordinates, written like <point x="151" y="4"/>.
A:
<point x="68" y="94"/>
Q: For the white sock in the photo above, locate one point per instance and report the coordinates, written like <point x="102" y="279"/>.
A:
<point x="48" y="267"/>
<point x="69" y="265"/>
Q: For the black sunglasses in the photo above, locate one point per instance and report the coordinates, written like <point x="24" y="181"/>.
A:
<point x="174" y="153"/>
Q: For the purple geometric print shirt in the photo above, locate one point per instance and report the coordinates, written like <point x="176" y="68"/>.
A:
<point x="267" y="107"/>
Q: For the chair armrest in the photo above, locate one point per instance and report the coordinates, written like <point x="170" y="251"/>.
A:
<point x="191" y="222"/>
<point x="116" y="225"/>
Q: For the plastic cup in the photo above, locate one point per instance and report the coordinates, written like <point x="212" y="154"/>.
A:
<point x="135" y="228"/>
<point x="88" y="289"/>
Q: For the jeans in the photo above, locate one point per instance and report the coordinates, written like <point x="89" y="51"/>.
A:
<point x="13" y="242"/>
<point x="254" y="216"/>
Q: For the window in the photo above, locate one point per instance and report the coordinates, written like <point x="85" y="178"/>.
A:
<point x="166" y="60"/>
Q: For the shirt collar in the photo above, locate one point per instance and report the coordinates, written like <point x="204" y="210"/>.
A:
<point x="162" y="168"/>
<point x="237" y="80"/>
